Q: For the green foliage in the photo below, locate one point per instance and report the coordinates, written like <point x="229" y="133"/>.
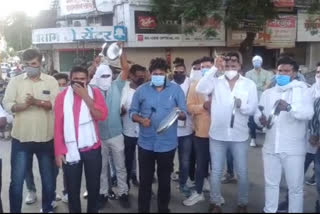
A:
<point x="17" y="30"/>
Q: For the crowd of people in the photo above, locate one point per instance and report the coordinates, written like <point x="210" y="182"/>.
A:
<point x="88" y="121"/>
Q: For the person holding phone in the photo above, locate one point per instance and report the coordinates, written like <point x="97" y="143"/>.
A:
<point x="76" y="139"/>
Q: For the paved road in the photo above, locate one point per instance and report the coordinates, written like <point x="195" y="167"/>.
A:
<point x="229" y="191"/>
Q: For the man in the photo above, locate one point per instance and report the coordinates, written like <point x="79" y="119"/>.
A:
<point x="138" y="75"/>
<point x="201" y="123"/>
<point x="284" y="146"/>
<point x="196" y="74"/>
<point x="31" y="97"/>
<point x="231" y="93"/>
<point x="206" y="64"/>
<point x="111" y="130"/>
<point x="185" y="131"/>
<point x="315" y="133"/>
<point x="262" y="79"/>
<point x="151" y="103"/>
<point x="63" y="80"/>
<point x="3" y="123"/>
<point x="77" y="142"/>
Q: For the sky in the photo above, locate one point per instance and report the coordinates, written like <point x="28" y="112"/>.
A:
<point x="31" y="7"/>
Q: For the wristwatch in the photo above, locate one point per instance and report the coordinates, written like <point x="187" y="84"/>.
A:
<point x="289" y="107"/>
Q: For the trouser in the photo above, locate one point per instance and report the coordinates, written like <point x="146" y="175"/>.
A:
<point x="91" y="162"/>
<point x="130" y="144"/>
<point x="30" y="178"/>
<point x="147" y="162"/>
<point x="308" y="161"/>
<point x="201" y="147"/>
<point x="20" y="155"/>
<point x="184" y="153"/>
<point x="252" y="126"/>
<point x="230" y="163"/>
<point x="1" y="208"/>
<point x="116" y="147"/>
<point x="293" y="166"/>
<point x="239" y="151"/>
<point x="192" y="167"/>
<point x="317" y="169"/>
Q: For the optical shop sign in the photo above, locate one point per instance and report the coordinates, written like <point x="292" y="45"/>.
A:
<point x="73" y="34"/>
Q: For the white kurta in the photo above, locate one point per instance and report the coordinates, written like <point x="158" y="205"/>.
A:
<point x="222" y="105"/>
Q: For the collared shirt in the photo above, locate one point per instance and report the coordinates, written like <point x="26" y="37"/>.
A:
<point x="185" y="127"/>
<point x="200" y="116"/>
<point x="288" y="134"/>
<point x="222" y="105"/>
<point x="34" y="124"/>
<point x="147" y="98"/>
<point x="261" y="78"/>
<point x="99" y="104"/>
<point x="112" y="127"/>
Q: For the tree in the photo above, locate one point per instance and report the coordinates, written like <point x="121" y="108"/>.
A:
<point x="17" y="30"/>
<point x="250" y="16"/>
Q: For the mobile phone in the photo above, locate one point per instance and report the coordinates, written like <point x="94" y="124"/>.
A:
<point x="80" y="83"/>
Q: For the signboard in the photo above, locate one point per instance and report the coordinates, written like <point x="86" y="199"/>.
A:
<point x="68" y="7"/>
<point x="150" y="33"/>
<point x="308" y="27"/>
<point x="73" y="34"/>
<point x="284" y="3"/>
<point x="279" y="33"/>
<point x="282" y="32"/>
<point x="303" y="3"/>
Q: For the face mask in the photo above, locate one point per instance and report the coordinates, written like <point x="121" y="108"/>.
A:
<point x="158" y="80"/>
<point x="104" y="83"/>
<point x="204" y="71"/>
<point x="231" y="74"/>
<point x="179" y="78"/>
<point x="62" y="88"/>
<point x="32" y="71"/>
<point x="283" y="80"/>
<point x="195" y="75"/>
<point x="317" y="77"/>
<point x="139" y="81"/>
<point x="257" y="64"/>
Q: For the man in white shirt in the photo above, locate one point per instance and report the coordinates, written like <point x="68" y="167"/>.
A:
<point x="285" y="146"/>
<point x="137" y="76"/>
<point x="185" y="130"/>
<point x="232" y="94"/>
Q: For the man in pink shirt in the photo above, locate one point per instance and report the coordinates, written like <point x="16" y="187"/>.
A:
<point x="78" y="109"/>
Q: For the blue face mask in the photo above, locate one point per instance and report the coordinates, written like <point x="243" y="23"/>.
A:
<point x="257" y="64"/>
<point x="283" y="80"/>
<point x="158" y="80"/>
<point x="204" y="71"/>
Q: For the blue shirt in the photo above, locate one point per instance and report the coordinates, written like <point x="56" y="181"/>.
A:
<point x="146" y="98"/>
<point x="112" y="126"/>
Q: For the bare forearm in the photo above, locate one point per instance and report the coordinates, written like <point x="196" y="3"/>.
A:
<point x="90" y="103"/>
<point x="124" y="66"/>
<point x="19" y="108"/>
<point x="43" y="104"/>
<point x="137" y="119"/>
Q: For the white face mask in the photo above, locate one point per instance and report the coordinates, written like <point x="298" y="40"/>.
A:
<point x="231" y="74"/>
<point x="104" y="83"/>
<point x="195" y="75"/>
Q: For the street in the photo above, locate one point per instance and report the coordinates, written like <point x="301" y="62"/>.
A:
<point x="229" y="190"/>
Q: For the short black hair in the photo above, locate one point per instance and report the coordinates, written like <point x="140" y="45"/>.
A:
<point x="196" y="62"/>
<point x="31" y="54"/>
<point x="179" y="62"/>
<point x="134" y="68"/>
<point x="318" y="64"/>
<point x="286" y="60"/>
<point x="233" y="54"/>
<point x="158" y="63"/>
<point x="207" y="59"/>
<point x="60" y="76"/>
<point x="78" y="69"/>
